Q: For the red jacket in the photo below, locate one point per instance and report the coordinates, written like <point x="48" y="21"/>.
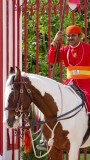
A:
<point x="78" y="56"/>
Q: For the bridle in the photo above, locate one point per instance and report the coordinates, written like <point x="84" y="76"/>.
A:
<point x="19" y="108"/>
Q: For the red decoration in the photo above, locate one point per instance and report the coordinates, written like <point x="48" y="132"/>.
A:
<point x="43" y="10"/>
<point x="31" y="10"/>
<point x="55" y="10"/>
<point x="79" y="10"/>
<point x="27" y="141"/>
<point x="67" y="9"/>
<point x="73" y="4"/>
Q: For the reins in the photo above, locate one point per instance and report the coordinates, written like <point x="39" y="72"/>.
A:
<point x="35" y="123"/>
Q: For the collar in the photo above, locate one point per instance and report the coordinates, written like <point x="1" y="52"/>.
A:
<point x="75" y="46"/>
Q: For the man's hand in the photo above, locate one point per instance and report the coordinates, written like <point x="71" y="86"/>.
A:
<point x="57" y="38"/>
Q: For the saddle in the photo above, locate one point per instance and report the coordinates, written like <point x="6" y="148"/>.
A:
<point x="78" y="91"/>
<point x="82" y="95"/>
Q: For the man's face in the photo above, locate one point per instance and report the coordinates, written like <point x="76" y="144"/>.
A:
<point x="73" y="39"/>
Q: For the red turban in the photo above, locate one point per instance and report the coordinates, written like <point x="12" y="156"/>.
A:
<point x="73" y="30"/>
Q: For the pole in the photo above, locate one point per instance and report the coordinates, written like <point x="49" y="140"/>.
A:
<point x="58" y="45"/>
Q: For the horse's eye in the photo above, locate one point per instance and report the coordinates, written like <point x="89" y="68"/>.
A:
<point x="12" y="89"/>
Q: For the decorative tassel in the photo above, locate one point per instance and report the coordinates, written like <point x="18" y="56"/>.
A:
<point x="27" y="141"/>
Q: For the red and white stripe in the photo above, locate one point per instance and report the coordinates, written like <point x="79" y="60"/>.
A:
<point x="11" y="56"/>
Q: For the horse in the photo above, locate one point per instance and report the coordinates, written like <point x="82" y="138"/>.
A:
<point x="65" y="118"/>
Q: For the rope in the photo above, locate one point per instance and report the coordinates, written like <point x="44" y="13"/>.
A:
<point x="37" y="131"/>
<point x="50" y="141"/>
<point x="35" y="150"/>
<point x="36" y="137"/>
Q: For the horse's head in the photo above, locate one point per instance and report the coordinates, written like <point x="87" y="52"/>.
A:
<point x="17" y="97"/>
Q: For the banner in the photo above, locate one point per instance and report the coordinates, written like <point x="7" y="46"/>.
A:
<point x="73" y="4"/>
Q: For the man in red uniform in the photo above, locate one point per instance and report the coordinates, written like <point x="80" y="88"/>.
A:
<point x="76" y="57"/>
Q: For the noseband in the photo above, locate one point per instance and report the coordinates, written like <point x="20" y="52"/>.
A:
<point x="19" y="109"/>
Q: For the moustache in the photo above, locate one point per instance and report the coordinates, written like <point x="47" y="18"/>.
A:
<point x="71" y="40"/>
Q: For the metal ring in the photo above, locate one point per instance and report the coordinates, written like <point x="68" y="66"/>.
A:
<point x="28" y="90"/>
<point x="21" y="90"/>
<point x="16" y="117"/>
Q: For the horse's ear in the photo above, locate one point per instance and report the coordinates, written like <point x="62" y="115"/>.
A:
<point x="12" y="70"/>
<point x="18" y="72"/>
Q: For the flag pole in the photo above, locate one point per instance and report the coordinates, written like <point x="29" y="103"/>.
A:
<point x="58" y="45"/>
<point x="73" y="4"/>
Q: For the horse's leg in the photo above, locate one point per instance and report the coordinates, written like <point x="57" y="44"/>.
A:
<point x="73" y="152"/>
<point x="54" y="154"/>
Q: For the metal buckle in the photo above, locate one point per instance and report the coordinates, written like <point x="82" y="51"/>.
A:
<point x="75" y="72"/>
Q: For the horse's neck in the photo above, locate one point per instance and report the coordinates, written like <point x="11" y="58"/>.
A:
<point x="52" y="96"/>
<point x="69" y="99"/>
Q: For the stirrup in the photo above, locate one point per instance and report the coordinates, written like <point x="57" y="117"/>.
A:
<point x="42" y="146"/>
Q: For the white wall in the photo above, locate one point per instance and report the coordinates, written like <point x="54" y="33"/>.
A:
<point x="7" y="155"/>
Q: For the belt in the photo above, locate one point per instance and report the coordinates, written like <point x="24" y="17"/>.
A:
<point x="78" y="72"/>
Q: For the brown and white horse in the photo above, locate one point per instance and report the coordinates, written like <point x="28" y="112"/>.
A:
<point x="64" y="113"/>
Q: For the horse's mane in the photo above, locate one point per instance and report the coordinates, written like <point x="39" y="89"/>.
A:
<point x="36" y="79"/>
<point x="32" y="76"/>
